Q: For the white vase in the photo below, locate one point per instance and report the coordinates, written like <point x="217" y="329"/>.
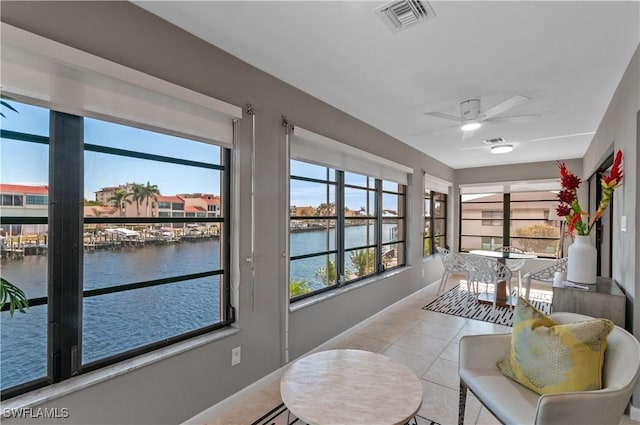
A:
<point x="581" y="267"/>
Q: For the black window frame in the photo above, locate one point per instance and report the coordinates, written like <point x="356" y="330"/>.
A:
<point x="430" y="218"/>
<point x="505" y="222"/>
<point x="341" y="254"/>
<point x="66" y="222"/>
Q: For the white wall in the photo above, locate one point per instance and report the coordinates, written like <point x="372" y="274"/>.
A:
<point x="176" y="388"/>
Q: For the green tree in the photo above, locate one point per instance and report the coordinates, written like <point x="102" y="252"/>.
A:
<point x="138" y="195"/>
<point x="541" y="230"/>
<point x="13" y="295"/>
<point x="363" y="260"/>
<point x="327" y="274"/>
<point x="326" y="208"/>
<point x="119" y="197"/>
<point x="150" y="193"/>
<point x="298" y="287"/>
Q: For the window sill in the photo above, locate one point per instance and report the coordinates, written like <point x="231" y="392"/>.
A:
<point x="307" y="302"/>
<point x="71" y="385"/>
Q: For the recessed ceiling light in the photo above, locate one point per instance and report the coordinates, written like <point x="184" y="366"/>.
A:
<point x="470" y="126"/>
<point x="501" y="149"/>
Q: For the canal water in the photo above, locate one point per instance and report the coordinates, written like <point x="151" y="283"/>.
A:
<point x="118" y="322"/>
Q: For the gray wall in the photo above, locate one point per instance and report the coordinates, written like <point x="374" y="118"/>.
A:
<point x="619" y="130"/>
<point x="179" y="387"/>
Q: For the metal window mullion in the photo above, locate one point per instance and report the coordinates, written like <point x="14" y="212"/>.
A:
<point x="66" y="186"/>
<point x="506" y="224"/>
<point x="340" y="255"/>
<point x="378" y="226"/>
<point x="225" y="245"/>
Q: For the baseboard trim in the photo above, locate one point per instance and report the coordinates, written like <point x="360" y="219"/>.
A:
<point x="217" y="409"/>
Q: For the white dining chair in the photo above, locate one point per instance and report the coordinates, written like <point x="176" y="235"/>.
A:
<point x="487" y="271"/>
<point x="514" y="264"/>
<point x="452" y="263"/>
<point x="544" y="273"/>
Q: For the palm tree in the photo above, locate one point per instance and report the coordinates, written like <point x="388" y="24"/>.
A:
<point x="326" y="208"/>
<point x="363" y="260"/>
<point x="327" y="274"/>
<point x="119" y="197"/>
<point x="137" y="194"/>
<point x="97" y="212"/>
<point x="150" y="192"/>
<point x="298" y="287"/>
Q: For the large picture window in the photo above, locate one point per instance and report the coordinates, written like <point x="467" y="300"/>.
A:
<point x="120" y="273"/>
<point x="343" y="227"/>
<point x="520" y="219"/>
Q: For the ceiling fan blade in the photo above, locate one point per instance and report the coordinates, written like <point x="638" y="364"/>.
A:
<point x="504" y="106"/>
<point x="513" y="118"/>
<point x="441" y="115"/>
<point x="434" y="130"/>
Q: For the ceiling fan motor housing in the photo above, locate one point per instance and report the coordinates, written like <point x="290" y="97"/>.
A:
<point x="470" y="109"/>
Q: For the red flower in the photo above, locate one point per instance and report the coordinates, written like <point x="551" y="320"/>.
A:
<point x="567" y="196"/>
<point x="568" y="180"/>
<point x="563" y="210"/>
<point x="616" y="174"/>
<point x="569" y="207"/>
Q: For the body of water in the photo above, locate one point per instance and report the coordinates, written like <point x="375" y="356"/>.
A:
<point x="122" y="321"/>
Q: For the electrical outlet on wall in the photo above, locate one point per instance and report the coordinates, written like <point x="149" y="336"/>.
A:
<point x="623" y="223"/>
<point x="235" y="356"/>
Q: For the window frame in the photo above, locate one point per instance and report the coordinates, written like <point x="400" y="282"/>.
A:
<point x="506" y="219"/>
<point x="64" y="276"/>
<point x="340" y="252"/>
<point x="432" y="218"/>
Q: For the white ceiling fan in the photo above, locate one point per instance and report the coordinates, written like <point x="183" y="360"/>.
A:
<point x="472" y="117"/>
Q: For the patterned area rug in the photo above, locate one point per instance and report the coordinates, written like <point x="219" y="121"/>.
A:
<point x="278" y="416"/>
<point x="454" y="302"/>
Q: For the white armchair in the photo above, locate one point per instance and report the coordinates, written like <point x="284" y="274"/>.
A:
<point x="513" y="403"/>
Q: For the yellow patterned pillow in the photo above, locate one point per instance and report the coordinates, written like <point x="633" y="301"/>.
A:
<point x="551" y="358"/>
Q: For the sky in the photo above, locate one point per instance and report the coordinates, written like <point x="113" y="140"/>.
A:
<point x="27" y="163"/>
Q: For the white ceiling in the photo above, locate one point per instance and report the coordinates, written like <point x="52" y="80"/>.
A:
<point x="568" y="57"/>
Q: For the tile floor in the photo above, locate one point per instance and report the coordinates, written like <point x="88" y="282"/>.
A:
<point x="424" y="341"/>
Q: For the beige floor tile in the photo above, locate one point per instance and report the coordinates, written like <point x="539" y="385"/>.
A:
<point x="422" y="343"/>
<point x="451" y="352"/>
<point x="414" y="360"/>
<point x="441" y="405"/>
<point x="247" y="412"/>
<point x="486" y="418"/>
<point x="427" y="327"/>
<point x="462" y="333"/>
<point x="360" y="342"/>
<point x="274" y="390"/>
<point x="443" y="372"/>
<point x="486" y="327"/>
<point x="446" y="319"/>
<point x="380" y="331"/>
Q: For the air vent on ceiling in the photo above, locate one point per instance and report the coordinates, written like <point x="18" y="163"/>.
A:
<point x="399" y="15"/>
<point x="494" y="141"/>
